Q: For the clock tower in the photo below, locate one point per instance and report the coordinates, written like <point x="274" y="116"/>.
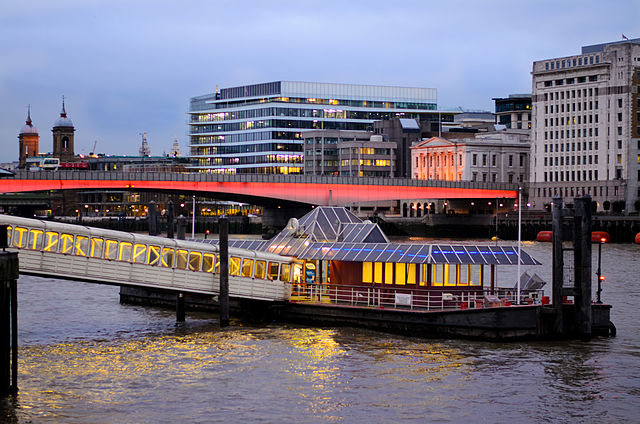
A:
<point x="29" y="140"/>
<point x="63" y="137"/>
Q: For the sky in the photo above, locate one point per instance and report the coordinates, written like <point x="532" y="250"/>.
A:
<point x="128" y="67"/>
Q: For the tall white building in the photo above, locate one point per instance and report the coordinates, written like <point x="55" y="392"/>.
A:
<point x="586" y="126"/>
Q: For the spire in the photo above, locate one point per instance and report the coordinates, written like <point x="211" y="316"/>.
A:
<point x="29" y="122"/>
<point x="63" y="114"/>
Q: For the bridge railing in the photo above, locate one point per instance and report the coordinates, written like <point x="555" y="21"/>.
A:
<point x="143" y="175"/>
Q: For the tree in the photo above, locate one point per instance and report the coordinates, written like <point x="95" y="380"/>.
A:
<point x="618" y="206"/>
<point x="606" y="205"/>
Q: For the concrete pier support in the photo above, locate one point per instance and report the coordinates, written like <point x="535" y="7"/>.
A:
<point x="170" y="219"/>
<point x="180" y="307"/>
<point x="153" y="219"/>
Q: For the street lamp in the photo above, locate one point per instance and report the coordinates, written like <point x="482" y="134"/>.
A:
<point x="599" y="273"/>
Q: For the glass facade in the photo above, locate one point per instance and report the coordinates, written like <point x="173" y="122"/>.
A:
<point x="257" y="128"/>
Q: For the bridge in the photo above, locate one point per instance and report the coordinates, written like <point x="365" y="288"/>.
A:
<point x="261" y="189"/>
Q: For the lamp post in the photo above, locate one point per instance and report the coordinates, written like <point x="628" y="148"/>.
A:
<point x="599" y="273"/>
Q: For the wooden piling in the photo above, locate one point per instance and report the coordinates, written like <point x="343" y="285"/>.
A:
<point x="558" y="265"/>
<point x="582" y="268"/>
<point x="152" y="219"/>
<point x="8" y="321"/>
<point x="224" y="271"/>
<point x="182" y="226"/>
<point x="180" y="307"/>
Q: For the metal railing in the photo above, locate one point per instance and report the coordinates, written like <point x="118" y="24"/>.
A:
<point x="409" y="299"/>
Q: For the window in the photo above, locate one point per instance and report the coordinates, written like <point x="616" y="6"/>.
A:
<point x="273" y="270"/>
<point x="139" y="253"/>
<point x="377" y="273"/>
<point x="234" y="265"/>
<point x="436" y="276"/>
<point x="125" y="251"/>
<point x="19" y="237"/>
<point x="35" y="239"/>
<point x="81" y="247"/>
<point x="388" y="273"/>
<point x="475" y="159"/>
<point x="285" y="272"/>
<point x="66" y="243"/>
<point x="111" y="249"/>
<point x="247" y="267"/>
<point x="97" y="247"/>
<point x="367" y="272"/>
<point x="207" y="262"/>
<point x="167" y="257"/>
<point x="401" y="271"/>
<point x="194" y="261"/>
<point x="153" y="255"/>
<point x="261" y="269"/>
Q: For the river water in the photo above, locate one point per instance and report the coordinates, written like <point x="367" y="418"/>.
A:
<point x="85" y="358"/>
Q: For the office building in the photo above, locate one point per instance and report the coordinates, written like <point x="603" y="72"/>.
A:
<point x="348" y="153"/>
<point x="514" y="111"/>
<point x="586" y="126"/>
<point x="257" y="128"/>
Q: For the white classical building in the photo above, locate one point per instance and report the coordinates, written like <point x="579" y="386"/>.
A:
<point x="498" y="156"/>
<point x="586" y="126"/>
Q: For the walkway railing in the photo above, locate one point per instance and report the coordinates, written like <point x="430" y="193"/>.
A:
<point x="407" y="299"/>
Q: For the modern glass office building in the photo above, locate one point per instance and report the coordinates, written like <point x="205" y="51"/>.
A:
<point x="257" y="128"/>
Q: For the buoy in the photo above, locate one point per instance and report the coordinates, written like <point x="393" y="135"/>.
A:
<point x="637" y="238"/>
<point x="545" y="236"/>
<point x="600" y="237"/>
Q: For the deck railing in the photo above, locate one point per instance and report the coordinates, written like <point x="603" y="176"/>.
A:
<point x="408" y="299"/>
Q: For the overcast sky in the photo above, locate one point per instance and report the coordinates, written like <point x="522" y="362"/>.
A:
<point x="127" y="67"/>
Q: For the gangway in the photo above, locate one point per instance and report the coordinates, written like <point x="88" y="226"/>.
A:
<point x="95" y="255"/>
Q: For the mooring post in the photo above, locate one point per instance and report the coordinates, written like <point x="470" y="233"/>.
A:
<point x="8" y="318"/>
<point x="558" y="264"/>
<point x="223" y="224"/>
<point x="170" y="219"/>
<point x="152" y="219"/>
<point x="180" y="307"/>
<point x="182" y="225"/>
<point x="582" y="267"/>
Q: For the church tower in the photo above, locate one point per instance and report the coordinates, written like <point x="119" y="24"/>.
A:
<point x="63" y="137"/>
<point x="29" y="140"/>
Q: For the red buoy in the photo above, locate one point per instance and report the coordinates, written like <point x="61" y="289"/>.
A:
<point x="600" y="237"/>
<point x="545" y="236"/>
<point x="637" y="238"/>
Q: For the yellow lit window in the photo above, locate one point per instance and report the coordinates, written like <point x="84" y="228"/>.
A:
<point x="181" y="259"/>
<point x="297" y="272"/>
<point x="194" y="261"/>
<point x="285" y="272"/>
<point x="436" y="276"/>
<point x="9" y="232"/>
<point x="411" y="273"/>
<point x="153" y="255"/>
<point x="388" y="273"/>
<point x="51" y="244"/>
<point x="367" y="272"/>
<point x="66" y="243"/>
<point x="261" y="268"/>
<point x="273" y="270"/>
<point x="97" y="247"/>
<point x="111" y="249"/>
<point x="401" y="276"/>
<point x="82" y="246"/>
<point x="216" y="266"/>
<point x="167" y="257"/>
<point x="125" y="251"/>
<point x="207" y="262"/>
<point x="247" y="267"/>
<point x="19" y="237"/>
<point x="424" y="273"/>
<point x="377" y="272"/>
<point x="139" y="253"/>
<point x="35" y="239"/>
<point x="234" y="265"/>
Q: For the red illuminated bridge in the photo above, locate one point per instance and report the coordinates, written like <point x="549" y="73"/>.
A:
<point x="260" y="189"/>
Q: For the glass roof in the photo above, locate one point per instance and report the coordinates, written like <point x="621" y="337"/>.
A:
<point x="416" y="253"/>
